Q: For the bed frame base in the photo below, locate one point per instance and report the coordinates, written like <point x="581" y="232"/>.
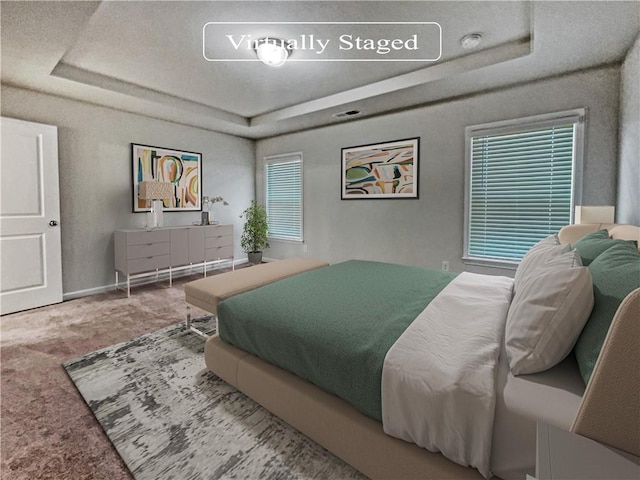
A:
<point x="327" y="419"/>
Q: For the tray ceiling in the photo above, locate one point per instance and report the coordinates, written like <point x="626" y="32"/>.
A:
<point x="147" y="57"/>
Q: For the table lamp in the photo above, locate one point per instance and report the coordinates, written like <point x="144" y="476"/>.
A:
<point x="157" y="192"/>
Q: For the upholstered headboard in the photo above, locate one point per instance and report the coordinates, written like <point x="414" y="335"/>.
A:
<point x="572" y="233"/>
<point x="610" y="408"/>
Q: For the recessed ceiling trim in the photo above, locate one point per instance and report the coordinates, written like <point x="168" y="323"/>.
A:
<point x="347" y="114"/>
<point x="483" y="58"/>
<point x="98" y="80"/>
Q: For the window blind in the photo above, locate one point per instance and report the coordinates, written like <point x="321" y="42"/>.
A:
<point x="284" y="197"/>
<point x="521" y="189"/>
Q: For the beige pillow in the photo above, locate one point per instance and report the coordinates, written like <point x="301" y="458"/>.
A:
<point x="539" y="255"/>
<point x="550" y="307"/>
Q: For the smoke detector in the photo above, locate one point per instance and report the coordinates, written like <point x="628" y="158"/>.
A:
<point x="471" y="41"/>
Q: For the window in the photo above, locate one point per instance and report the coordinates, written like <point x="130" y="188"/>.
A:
<point x="283" y="196"/>
<point x="520" y="183"/>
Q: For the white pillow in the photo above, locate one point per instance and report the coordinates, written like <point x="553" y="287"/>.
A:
<point x="539" y="255"/>
<point x="549" y="310"/>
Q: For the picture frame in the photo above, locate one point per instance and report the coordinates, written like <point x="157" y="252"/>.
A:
<point x="180" y="167"/>
<point x="387" y="170"/>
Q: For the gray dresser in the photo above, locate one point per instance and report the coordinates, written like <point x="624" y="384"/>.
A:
<point x="145" y="253"/>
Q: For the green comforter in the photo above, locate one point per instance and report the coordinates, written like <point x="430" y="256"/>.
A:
<point x="332" y="326"/>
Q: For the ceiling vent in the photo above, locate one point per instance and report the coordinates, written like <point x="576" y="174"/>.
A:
<point x="347" y="114"/>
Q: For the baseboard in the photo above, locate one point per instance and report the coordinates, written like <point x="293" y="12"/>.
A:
<point x="89" y="291"/>
<point x="136" y="282"/>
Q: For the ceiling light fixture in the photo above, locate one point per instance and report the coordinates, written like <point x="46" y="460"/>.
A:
<point x="471" y="40"/>
<point x="272" y="51"/>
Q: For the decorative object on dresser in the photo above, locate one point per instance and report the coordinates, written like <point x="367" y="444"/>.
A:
<point x="383" y="170"/>
<point x="141" y="253"/>
<point x="181" y="168"/>
<point x="207" y="203"/>
<point x="254" y="235"/>
<point x="157" y="193"/>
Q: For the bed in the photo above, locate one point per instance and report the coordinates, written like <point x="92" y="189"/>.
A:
<point x="342" y="411"/>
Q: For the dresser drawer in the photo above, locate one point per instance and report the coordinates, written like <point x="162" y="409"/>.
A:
<point x="215" y="242"/>
<point x="142" y="253"/>
<point x="148" y="250"/>
<point x="148" y="236"/>
<point x="148" y="263"/>
<point x="218" y="230"/>
<point x="218" y="253"/>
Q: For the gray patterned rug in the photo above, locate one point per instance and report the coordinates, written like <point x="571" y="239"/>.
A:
<point x="170" y="418"/>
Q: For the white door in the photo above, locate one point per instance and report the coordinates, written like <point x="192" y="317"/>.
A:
<point x="30" y="250"/>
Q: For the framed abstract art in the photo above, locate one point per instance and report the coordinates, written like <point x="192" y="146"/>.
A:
<point x="382" y="170"/>
<point x="181" y="168"/>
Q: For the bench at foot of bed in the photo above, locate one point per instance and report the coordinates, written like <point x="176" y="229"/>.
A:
<point x="206" y="293"/>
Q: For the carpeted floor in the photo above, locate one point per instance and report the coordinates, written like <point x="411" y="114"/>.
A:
<point x="47" y="431"/>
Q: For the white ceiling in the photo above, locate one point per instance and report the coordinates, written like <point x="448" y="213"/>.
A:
<point x="147" y="57"/>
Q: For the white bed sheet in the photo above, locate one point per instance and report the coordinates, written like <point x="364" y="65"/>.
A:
<point x="552" y="396"/>
<point x="438" y="378"/>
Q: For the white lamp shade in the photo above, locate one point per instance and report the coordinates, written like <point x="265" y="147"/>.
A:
<point x="597" y="214"/>
<point x="150" y="190"/>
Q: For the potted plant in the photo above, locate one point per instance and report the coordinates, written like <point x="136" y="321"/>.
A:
<point x="254" y="234"/>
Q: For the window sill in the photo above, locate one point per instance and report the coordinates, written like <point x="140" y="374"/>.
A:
<point x="478" y="262"/>
<point x="285" y="240"/>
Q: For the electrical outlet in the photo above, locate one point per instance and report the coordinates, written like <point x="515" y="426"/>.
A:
<point x="305" y="248"/>
<point x="445" y="266"/>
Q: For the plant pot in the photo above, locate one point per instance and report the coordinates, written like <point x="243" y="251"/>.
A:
<point x="255" y="257"/>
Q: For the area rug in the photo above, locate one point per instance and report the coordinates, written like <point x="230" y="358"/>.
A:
<point x="170" y="418"/>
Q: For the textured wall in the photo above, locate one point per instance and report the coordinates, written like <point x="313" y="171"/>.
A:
<point x="94" y="144"/>
<point x="429" y="230"/>
<point x="628" y="204"/>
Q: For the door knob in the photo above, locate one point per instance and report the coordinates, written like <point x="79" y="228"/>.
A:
<point x="53" y="223"/>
